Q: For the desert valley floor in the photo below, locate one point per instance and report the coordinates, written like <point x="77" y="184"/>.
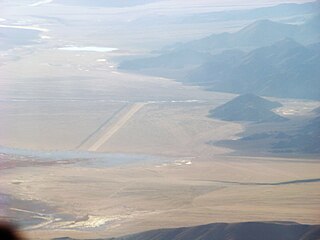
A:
<point x="145" y="163"/>
<point x="90" y="151"/>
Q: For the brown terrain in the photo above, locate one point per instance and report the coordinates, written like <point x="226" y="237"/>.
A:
<point x="87" y="151"/>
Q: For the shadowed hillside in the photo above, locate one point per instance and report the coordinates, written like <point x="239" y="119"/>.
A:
<point x="292" y="137"/>
<point x="234" y="231"/>
<point x="316" y="111"/>
<point x="306" y="139"/>
<point x="247" y="107"/>
<point x="284" y="69"/>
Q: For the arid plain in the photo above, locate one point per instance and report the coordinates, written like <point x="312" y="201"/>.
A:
<point x="175" y="179"/>
<point x="88" y="151"/>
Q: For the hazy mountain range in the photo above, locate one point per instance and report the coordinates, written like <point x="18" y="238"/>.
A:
<point x="278" y="64"/>
<point x="258" y="34"/>
<point x="231" y="231"/>
<point x="278" y="11"/>
<point x="284" y="69"/>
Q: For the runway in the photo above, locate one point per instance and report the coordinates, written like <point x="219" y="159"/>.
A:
<point x="116" y="126"/>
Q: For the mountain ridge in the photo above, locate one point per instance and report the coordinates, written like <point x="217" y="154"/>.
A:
<point x="247" y="107"/>
<point x="284" y="69"/>
<point x="227" y="231"/>
<point x="259" y="33"/>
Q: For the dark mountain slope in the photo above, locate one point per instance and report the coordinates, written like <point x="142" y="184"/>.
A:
<point x="247" y="107"/>
<point x="305" y="140"/>
<point x="236" y="231"/>
<point x="285" y="69"/>
<point x="316" y="111"/>
<point x="297" y="136"/>
<point x="232" y="231"/>
<point x="257" y="34"/>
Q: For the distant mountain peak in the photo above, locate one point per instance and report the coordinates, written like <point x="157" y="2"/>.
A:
<point x="287" y="44"/>
<point x="247" y="107"/>
<point x="257" y="101"/>
<point x="249" y="96"/>
<point x="262" y="25"/>
<point x="262" y="22"/>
